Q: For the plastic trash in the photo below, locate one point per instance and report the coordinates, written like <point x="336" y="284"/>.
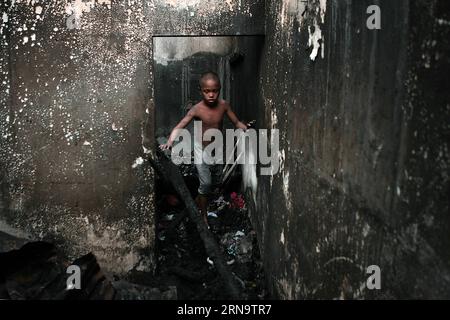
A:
<point x="239" y="234"/>
<point x="212" y="214"/>
<point x="231" y="262"/>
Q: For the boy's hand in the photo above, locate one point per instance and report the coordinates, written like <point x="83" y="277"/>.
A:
<point x="166" y="146"/>
<point x="242" y="126"/>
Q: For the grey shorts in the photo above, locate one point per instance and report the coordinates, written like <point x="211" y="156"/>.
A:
<point x="210" y="176"/>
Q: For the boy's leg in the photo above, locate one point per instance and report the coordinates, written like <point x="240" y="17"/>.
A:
<point x="204" y="176"/>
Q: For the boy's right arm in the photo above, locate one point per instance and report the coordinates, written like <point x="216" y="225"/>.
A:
<point x="173" y="135"/>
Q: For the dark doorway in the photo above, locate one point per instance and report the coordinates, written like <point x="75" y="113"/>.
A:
<point x="182" y="260"/>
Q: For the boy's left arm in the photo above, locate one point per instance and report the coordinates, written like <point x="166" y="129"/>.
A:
<point x="238" y="124"/>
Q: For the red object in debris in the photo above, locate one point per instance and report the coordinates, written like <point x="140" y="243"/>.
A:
<point x="172" y="200"/>
<point x="237" y="201"/>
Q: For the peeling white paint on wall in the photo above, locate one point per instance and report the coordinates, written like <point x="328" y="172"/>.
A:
<point x="281" y="157"/>
<point x="178" y="48"/>
<point x="182" y="4"/>
<point x="212" y="4"/>
<point x="297" y="9"/>
<point x="78" y="7"/>
<point x="314" y="38"/>
<point x="230" y="4"/>
<point x="72" y="7"/>
<point x="249" y="176"/>
<point x="75" y="9"/>
<point x="294" y="9"/>
<point x="273" y="116"/>
<point x="286" y="191"/>
<point x="285" y="183"/>
<point x="323" y="9"/>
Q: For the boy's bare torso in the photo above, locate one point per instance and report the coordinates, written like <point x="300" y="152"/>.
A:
<point x="210" y="111"/>
<point x="211" y="117"/>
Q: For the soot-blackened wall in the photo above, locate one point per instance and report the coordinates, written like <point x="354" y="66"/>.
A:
<point x="363" y="119"/>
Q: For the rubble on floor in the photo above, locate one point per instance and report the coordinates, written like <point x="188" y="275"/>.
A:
<point x="182" y="259"/>
<point x="38" y="271"/>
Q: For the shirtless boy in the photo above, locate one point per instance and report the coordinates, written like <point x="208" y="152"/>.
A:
<point x="210" y="111"/>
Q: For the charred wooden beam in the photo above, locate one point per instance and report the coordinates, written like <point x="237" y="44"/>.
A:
<point x="169" y="172"/>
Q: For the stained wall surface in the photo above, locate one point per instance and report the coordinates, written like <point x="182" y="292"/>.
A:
<point x="363" y="119"/>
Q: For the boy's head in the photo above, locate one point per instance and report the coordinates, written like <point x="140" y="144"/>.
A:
<point x="210" y="87"/>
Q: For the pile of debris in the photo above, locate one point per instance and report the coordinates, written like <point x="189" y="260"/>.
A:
<point x="183" y="261"/>
<point x="38" y="271"/>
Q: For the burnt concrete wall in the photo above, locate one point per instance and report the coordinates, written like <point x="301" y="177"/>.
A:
<point x="364" y="153"/>
<point x="77" y="117"/>
<point x="244" y="66"/>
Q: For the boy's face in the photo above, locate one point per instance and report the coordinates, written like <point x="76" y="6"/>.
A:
<point x="210" y="92"/>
